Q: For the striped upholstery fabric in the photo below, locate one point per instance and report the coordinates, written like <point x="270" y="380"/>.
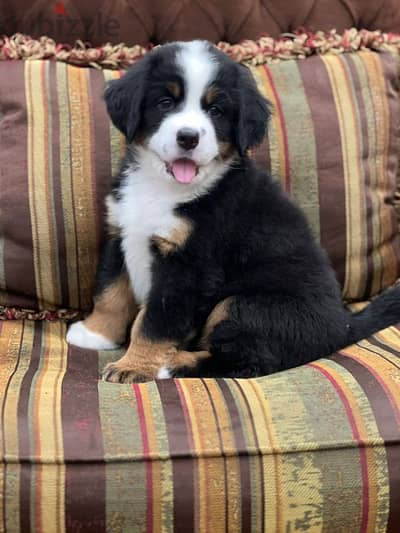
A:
<point x="313" y="449"/>
<point x="58" y="152"/>
<point x="333" y="140"/>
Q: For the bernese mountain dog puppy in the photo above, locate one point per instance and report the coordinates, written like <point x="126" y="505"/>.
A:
<point x="210" y="260"/>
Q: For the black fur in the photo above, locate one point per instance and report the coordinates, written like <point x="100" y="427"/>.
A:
<point x="249" y="243"/>
<point x="111" y="264"/>
<point x="286" y="307"/>
<point x="253" y="113"/>
<point x="132" y="100"/>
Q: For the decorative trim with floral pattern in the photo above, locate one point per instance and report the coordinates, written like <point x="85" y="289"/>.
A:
<point x="16" y="313"/>
<point x="299" y="45"/>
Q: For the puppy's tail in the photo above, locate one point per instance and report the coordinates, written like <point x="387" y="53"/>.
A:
<point x="382" y="312"/>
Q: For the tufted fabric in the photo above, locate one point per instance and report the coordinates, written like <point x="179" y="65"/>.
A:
<point x="158" y="21"/>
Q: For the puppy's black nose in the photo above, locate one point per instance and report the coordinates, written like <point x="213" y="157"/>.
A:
<point x="187" y="138"/>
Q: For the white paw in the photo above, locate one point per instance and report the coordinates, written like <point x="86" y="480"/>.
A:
<point x="163" y="373"/>
<point x="79" y="335"/>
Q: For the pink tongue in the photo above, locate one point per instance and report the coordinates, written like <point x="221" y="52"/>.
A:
<point x="184" y="170"/>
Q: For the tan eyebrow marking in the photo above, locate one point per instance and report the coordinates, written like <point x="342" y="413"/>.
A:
<point x="211" y="94"/>
<point x="174" y="88"/>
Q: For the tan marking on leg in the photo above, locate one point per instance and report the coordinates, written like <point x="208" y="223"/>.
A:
<point x="175" y="240"/>
<point x="189" y="359"/>
<point x="113" y="311"/>
<point x="220" y="313"/>
<point x="145" y="357"/>
<point x="174" y="88"/>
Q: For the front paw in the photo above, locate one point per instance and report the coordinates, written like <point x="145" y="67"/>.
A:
<point x="120" y="373"/>
<point x="79" y="335"/>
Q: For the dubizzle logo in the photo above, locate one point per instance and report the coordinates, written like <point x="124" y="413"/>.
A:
<point x="61" y="25"/>
<point x="59" y="9"/>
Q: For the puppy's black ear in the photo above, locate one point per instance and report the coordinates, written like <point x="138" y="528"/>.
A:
<point x="124" y="98"/>
<point x="253" y="112"/>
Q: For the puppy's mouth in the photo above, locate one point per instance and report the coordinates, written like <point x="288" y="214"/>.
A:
<point x="184" y="170"/>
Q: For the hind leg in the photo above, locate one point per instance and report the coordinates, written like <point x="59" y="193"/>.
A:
<point x="260" y="335"/>
<point x="235" y="352"/>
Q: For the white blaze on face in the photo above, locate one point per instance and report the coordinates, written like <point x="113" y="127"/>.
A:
<point x="149" y="193"/>
<point x="198" y="68"/>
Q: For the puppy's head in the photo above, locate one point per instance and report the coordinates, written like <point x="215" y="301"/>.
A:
<point x="188" y="109"/>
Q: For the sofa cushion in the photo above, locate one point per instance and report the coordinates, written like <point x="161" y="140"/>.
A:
<point x="282" y="452"/>
<point x="332" y="140"/>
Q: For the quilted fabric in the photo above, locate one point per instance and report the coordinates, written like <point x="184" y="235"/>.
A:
<point x="158" y="21"/>
<point x="316" y="448"/>
<point x="58" y="152"/>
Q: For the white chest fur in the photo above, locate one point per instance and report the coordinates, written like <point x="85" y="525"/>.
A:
<point x="146" y="209"/>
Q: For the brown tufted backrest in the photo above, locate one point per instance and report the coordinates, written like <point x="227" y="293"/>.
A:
<point x="158" y="21"/>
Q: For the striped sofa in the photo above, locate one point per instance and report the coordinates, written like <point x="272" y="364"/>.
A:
<point x="312" y="449"/>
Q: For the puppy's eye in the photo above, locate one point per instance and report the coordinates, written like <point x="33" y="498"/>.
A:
<point x="214" y="111"/>
<point x="166" y="104"/>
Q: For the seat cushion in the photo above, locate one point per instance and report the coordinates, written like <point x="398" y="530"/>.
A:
<point x="281" y="452"/>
